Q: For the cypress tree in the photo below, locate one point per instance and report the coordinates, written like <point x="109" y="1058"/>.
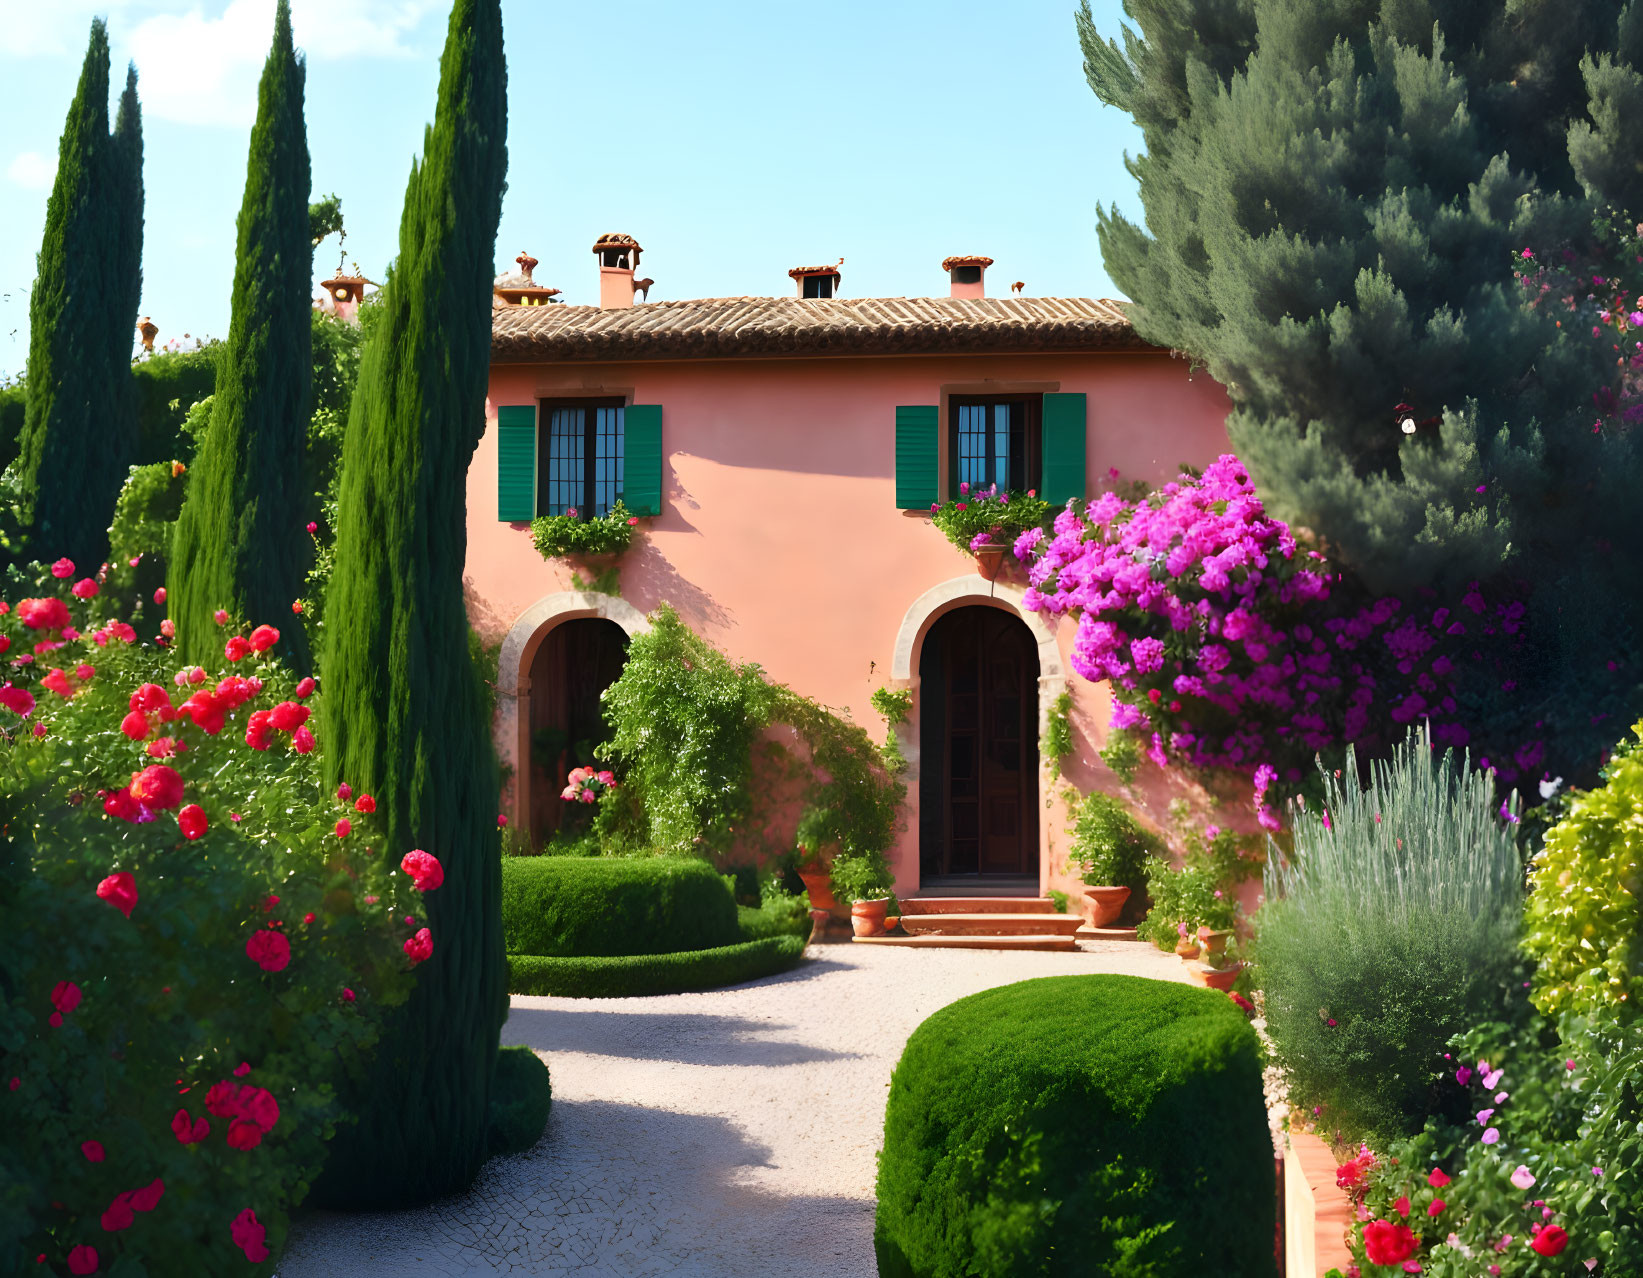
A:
<point x="402" y="715"/>
<point x="79" y="426"/>
<point x="239" y="542"/>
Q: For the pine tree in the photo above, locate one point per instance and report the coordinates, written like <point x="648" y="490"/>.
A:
<point x="239" y="543"/>
<point x="403" y="716"/>
<point x="80" y="427"/>
<point x="1334" y="191"/>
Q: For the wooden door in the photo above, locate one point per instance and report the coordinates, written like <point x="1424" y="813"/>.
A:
<point x="577" y="661"/>
<point x="985" y="672"/>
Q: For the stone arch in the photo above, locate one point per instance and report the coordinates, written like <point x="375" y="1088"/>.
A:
<point x="524" y="637"/>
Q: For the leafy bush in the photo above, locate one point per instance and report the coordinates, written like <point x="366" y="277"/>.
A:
<point x="1392" y="927"/>
<point x="564" y="906"/>
<point x="199" y="940"/>
<point x="1203" y="891"/>
<point x="140" y="540"/>
<point x="1111" y="848"/>
<point x="169" y="383"/>
<point x="1583" y="919"/>
<point x="780" y="913"/>
<point x="1122" y="754"/>
<point x="640" y="975"/>
<point x="1058" y="733"/>
<point x="1077" y="1125"/>
<point x="608" y="534"/>
<point x="861" y="876"/>
<point x="521" y="1098"/>
<point x="980" y="518"/>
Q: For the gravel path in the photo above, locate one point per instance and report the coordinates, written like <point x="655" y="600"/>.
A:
<point x="720" y="1135"/>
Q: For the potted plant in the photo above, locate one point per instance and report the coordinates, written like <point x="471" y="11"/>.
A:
<point x="815" y="870"/>
<point x="868" y="914"/>
<point x="1112" y="851"/>
<point x="593" y="540"/>
<point x="1201" y="893"/>
<point x="986" y="523"/>
<point x="862" y="880"/>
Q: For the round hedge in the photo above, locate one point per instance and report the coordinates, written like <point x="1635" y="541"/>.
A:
<point x="521" y="1098"/>
<point x="638" y="975"/>
<point x="1078" y="1125"/>
<point x="592" y="907"/>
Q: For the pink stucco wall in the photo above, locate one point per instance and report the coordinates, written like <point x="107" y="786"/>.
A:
<point x="779" y="540"/>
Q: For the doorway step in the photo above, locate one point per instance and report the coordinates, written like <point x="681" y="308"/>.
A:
<point x="983" y="923"/>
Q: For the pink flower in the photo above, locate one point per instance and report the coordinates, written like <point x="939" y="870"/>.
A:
<point x="424" y="869"/>
<point x="345" y="792"/>
<point x="85" y="588"/>
<point x="93" y="1150"/>
<point x="365" y="803"/>
<point x="312" y="528"/>
<point x="1523" y="1178"/>
<point x="304" y="689"/>
<point x="420" y="948"/>
<point x="237" y="647"/>
<point x="118" y="1215"/>
<point x="264" y="638"/>
<point x="82" y="1260"/>
<point x="268" y="949"/>
<point x="159" y="595"/>
<point x="1491" y="1136"/>
<point x="1437" y="1179"/>
<point x="62" y="569"/>
<point x="65" y="996"/>
<point x="192" y="822"/>
<point x="220" y="616"/>
<point x="248" y="1234"/>
<point x="501" y="819"/>
<point x="120" y="891"/>
<point x="18" y="700"/>
<point x="302" y="740"/>
<point x="345" y="827"/>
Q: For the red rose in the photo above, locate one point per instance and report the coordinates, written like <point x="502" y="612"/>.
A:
<point x="58" y="682"/>
<point x="345" y="792"/>
<point x="121" y="805"/>
<point x="62" y="569"/>
<point x="17" y="700"/>
<point x="187" y="1134"/>
<point x="151" y="699"/>
<point x="158" y="786"/>
<point x="1437" y="1179"/>
<point x="121" y="631"/>
<point x="135" y="725"/>
<point x="191" y="821"/>
<point x="118" y="1216"/>
<point x="1550" y="1241"/>
<point x="159" y="596"/>
<point x="302" y="740"/>
<point x="234" y="691"/>
<point x="165" y="748"/>
<point x="223" y="1099"/>
<point x="85" y="588"/>
<point x="120" y="891"/>
<point x="257" y="1105"/>
<point x="259" y="733"/>
<point x="65" y="996"/>
<point x="43" y="614"/>
<point x="365" y="803"/>
<point x="269" y="950"/>
<point x="82" y="1260"/>
<point x="220" y="616"/>
<point x="263" y="638"/>
<point x="248" y="1234"/>
<point x="424" y="868"/>
<point x="148" y="1197"/>
<point x="1388" y="1244"/>
<point x="1436" y="1207"/>
<point x="243" y="1135"/>
<point x="236" y="648"/>
<point x="345" y="827"/>
<point x="420" y="948"/>
<point x="93" y="1150"/>
<point x="305" y="688"/>
<point x="1402" y="1206"/>
<point x="207" y="710"/>
<point x="288" y="716"/>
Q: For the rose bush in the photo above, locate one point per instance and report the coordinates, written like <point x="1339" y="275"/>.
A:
<point x="191" y="953"/>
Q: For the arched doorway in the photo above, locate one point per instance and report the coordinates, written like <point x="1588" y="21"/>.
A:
<point x="576" y="661"/>
<point x="978" y="746"/>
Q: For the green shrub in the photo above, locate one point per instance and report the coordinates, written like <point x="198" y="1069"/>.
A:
<point x="1058" y="733"/>
<point x="169" y="383"/>
<point x="1392" y="927"/>
<point x="1078" y="1125"/>
<point x="1111" y="848"/>
<point x="608" y="534"/>
<point x="791" y="917"/>
<point x="567" y="906"/>
<point x="638" y="975"/>
<point x="144" y="515"/>
<point x="1583" y="920"/>
<point x="521" y="1097"/>
<point x="1122" y="754"/>
<point x="1202" y="892"/>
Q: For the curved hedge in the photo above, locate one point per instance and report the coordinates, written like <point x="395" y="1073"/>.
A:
<point x="1078" y="1125"/>
<point x="521" y="1098"/>
<point x="636" y="975"/>
<point x="587" y="907"/>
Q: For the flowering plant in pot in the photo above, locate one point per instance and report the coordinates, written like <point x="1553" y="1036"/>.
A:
<point x="862" y="881"/>
<point x="577" y="535"/>
<point x="1111" y="850"/>
<point x="986" y="523"/>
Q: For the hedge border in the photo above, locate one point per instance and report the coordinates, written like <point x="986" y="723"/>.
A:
<point x="637" y="975"/>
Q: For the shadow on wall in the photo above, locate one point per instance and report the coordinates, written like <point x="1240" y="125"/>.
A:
<point x="681" y="1038"/>
<point x="649" y="580"/>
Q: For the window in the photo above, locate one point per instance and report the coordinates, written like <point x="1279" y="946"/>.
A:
<point x="994" y="440"/>
<point x="579" y="462"/>
<point x="819" y="285"/>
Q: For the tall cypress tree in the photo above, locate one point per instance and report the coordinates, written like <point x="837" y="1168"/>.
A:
<point x="402" y="715"/>
<point x="239" y="542"/>
<point x="79" y="425"/>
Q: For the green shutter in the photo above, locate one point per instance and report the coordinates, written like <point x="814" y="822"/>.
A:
<point x="1063" y="436"/>
<point x="642" y="458"/>
<point x="917" y="432"/>
<point x="516" y="462"/>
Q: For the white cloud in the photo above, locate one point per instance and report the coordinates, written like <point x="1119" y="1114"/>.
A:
<point x="32" y="171"/>
<point x="34" y="28"/>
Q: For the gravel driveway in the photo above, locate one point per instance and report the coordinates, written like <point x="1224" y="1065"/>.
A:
<point x="725" y="1134"/>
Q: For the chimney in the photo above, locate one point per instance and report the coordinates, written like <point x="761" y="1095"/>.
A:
<point x="344" y="293"/>
<point x="966" y="275"/>
<point x="148" y="330"/>
<point x="618" y="256"/>
<point x="817" y="281"/>
<point x="520" y="287"/>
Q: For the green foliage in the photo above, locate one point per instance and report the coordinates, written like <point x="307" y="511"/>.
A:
<point x="1392" y="926"/>
<point x="1077" y="1125"/>
<point x="861" y="876"/>
<point x="1109" y="846"/>
<point x="684" y="723"/>
<point x="1202" y="892"/>
<point x="169" y="384"/>
<point x="80" y="429"/>
<point x="239" y="543"/>
<point x="404" y="715"/>
<point x="144" y="516"/>
<point x="324" y="218"/>
<point x="641" y="975"/>
<point x="173" y="1003"/>
<point x="521" y="1099"/>
<point x="895" y="706"/>
<point x="1122" y="754"/>
<point x="586" y="907"/>
<point x="1583" y="925"/>
<point x="1058" y="733"/>
<point x="780" y="912"/>
<point x="569" y="534"/>
<point x="999" y="517"/>
<point x="1062" y="901"/>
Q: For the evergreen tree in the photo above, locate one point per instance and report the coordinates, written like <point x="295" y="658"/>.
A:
<point x="79" y="426"/>
<point x="239" y="543"/>
<point x="403" y="715"/>
<point x="1334" y="192"/>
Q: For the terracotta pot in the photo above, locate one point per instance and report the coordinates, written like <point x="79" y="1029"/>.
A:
<point x="1187" y="947"/>
<point x="1106" y="903"/>
<point x="990" y="561"/>
<point x="1213" y="943"/>
<point x="1215" y="978"/>
<point x="818" y="883"/>
<point x="867" y="917"/>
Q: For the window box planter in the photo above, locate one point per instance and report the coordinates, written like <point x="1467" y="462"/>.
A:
<point x="595" y="542"/>
<point x="986" y="523"/>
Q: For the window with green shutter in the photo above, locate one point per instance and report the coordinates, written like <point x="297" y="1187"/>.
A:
<point x="516" y="462"/>
<point x="917" y="458"/>
<point x="1064" y="433"/>
<point x="642" y="486"/>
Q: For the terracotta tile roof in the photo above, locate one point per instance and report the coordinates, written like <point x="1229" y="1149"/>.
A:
<point x="948" y="263"/>
<point x="799" y="272"/>
<point x="744" y="326"/>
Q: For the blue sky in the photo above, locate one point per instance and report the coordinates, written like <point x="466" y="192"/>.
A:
<point x="734" y="139"/>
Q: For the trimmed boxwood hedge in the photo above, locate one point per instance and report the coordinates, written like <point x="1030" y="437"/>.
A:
<point x="587" y="907"/>
<point x="636" y="975"/>
<point x="521" y="1097"/>
<point x="1078" y="1125"/>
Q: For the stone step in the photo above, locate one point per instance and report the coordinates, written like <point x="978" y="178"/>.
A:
<point x="976" y="905"/>
<point x="1088" y="933"/>
<point x="993" y="924"/>
<point x="932" y="941"/>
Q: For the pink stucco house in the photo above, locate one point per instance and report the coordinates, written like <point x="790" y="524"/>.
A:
<point x="788" y="450"/>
